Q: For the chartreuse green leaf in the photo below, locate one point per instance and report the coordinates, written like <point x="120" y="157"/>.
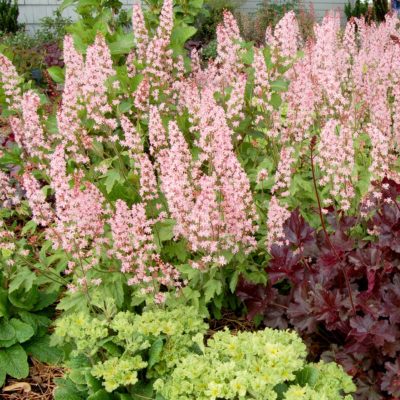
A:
<point x="57" y="74"/>
<point x="14" y="361"/>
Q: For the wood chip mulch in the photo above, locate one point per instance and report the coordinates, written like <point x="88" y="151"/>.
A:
<point x="38" y="386"/>
<point x="231" y="321"/>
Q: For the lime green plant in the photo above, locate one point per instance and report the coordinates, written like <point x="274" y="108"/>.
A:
<point x="124" y="352"/>
<point x="164" y="354"/>
<point x="267" y="364"/>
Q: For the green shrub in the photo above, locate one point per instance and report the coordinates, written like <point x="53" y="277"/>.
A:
<point x="29" y="51"/>
<point x="212" y="15"/>
<point x="9" y="16"/>
<point x="359" y="9"/>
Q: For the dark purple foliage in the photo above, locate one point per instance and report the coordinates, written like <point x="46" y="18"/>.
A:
<point x="341" y="293"/>
<point x="53" y="56"/>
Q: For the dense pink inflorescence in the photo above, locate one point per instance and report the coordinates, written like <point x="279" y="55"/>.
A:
<point x="337" y="166"/>
<point x="28" y="130"/>
<point x="79" y="225"/>
<point x="72" y="134"/>
<point x="133" y="246"/>
<point x="140" y="31"/>
<point x="98" y="68"/>
<point x="42" y="213"/>
<point x="8" y="193"/>
<point x="277" y="215"/>
<point x="9" y="81"/>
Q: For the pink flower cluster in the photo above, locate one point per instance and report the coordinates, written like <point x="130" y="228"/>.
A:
<point x="42" y="213"/>
<point x="98" y="68"/>
<point x="9" y="81"/>
<point x="80" y="216"/>
<point x="345" y="86"/>
<point x="72" y="134"/>
<point x="8" y="193"/>
<point x="210" y="197"/>
<point x="133" y="246"/>
<point x="277" y="215"/>
<point x="28" y="130"/>
<point x="336" y="161"/>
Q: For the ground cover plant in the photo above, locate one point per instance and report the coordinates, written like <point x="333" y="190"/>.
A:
<point x="157" y="183"/>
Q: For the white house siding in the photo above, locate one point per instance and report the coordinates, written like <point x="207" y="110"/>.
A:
<point x="31" y="11"/>
<point x="321" y="7"/>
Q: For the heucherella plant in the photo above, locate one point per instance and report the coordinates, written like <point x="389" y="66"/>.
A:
<point x="163" y="171"/>
<point x="140" y="164"/>
<point x="125" y="352"/>
<point x="254" y="365"/>
<point x="164" y="353"/>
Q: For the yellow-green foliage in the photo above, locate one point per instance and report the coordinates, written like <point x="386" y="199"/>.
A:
<point x="253" y="365"/>
<point x="156" y="340"/>
<point x="167" y="347"/>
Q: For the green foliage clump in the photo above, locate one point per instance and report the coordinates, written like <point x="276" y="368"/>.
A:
<point x="9" y="17"/>
<point x="119" y="349"/>
<point x="28" y="292"/>
<point x="164" y="353"/>
<point x="257" y="365"/>
<point x="29" y="51"/>
<point x="211" y="16"/>
<point x="381" y="8"/>
<point x="356" y="10"/>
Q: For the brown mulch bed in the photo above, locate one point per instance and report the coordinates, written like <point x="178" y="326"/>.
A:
<point x="38" y="386"/>
<point x="232" y="321"/>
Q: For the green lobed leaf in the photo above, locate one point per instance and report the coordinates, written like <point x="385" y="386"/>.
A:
<point x="24" y="279"/>
<point x="155" y="352"/>
<point x="15" y="361"/>
<point x="212" y="288"/>
<point x="2" y="376"/>
<point x="123" y="44"/>
<point x="23" y="331"/>
<point x="39" y="323"/>
<point x="7" y="330"/>
<point x="45" y="300"/>
<point x="24" y="299"/>
<point x="100" y="395"/>
<point x="41" y="349"/>
<point x="66" y="390"/>
<point x="166" y="230"/>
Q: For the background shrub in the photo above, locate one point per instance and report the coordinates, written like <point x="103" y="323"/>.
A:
<point x="9" y="17"/>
